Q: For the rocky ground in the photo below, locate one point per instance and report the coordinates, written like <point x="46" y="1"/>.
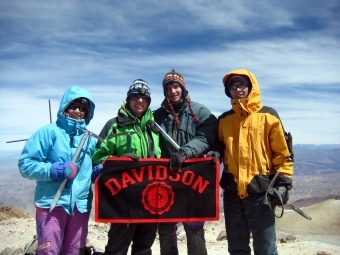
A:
<point x="295" y="234"/>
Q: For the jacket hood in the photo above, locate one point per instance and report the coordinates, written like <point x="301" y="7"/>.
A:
<point x="71" y="94"/>
<point x="253" y="102"/>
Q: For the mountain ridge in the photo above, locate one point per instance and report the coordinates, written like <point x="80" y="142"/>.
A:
<point x="316" y="176"/>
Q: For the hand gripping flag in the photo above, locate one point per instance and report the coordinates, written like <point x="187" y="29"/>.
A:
<point x="146" y="191"/>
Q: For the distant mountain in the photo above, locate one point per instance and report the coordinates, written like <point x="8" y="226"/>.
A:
<point x="317" y="146"/>
<point x="316" y="176"/>
<point x="316" y="159"/>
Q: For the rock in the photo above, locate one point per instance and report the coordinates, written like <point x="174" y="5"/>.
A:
<point x="11" y="211"/>
<point x="222" y="236"/>
<point x="283" y="240"/>
<point x="323" y="253"/>
<point x="291" y="238"/>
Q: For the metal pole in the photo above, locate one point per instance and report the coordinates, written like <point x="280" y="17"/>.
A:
<point x="35" y="237"/>
<point x="93" y="134"/>
<point x="166" y="136"/>
<point x="17" y="141"/>
<point x="49" y="106"/>
<point x="298" y="210"/>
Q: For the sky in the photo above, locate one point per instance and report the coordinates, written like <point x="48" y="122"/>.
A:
<point x="292" y="47"/>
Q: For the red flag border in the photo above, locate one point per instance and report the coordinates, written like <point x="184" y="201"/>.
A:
<point x="166" y="160"/>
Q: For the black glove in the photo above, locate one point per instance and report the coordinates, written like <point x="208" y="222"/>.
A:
<point x="177" y="159"/>
<point x="280" y="196"/>
<point x="285" y="181"/>
<point x="131" y="156"/>
<point x="215" y="155"/>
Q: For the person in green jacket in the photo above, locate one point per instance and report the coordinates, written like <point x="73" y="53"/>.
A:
<point x="130" y="134"/>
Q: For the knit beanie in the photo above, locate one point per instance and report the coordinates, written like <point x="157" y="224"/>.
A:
<point x="139" y="87"/>
<point x="174" y="76"/>
<point x="171" y="77"/>
<point x="243" y="79"/>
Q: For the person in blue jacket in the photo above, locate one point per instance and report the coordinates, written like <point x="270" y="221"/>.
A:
<point x="47" y="159"/>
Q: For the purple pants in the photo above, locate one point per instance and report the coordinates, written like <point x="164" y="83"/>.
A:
<point x="59" y="232"/>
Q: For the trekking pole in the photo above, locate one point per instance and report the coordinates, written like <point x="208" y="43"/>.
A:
<point x="74" y="159"/>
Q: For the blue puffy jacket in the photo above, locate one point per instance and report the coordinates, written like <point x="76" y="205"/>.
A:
<point x="58" y="142"/>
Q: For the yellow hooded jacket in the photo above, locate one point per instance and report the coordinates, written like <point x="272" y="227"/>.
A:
<point x="254" y="141"/>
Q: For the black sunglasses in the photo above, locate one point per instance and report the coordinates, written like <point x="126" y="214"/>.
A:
<point x="240" y="86"/>
<point x="137" y="97"/>
<point x="74" y="106"/>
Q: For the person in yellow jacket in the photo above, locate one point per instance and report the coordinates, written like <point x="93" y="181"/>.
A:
<point x="255" y="149"/>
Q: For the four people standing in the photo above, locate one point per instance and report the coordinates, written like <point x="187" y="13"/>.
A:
<point x="254" y="149"/>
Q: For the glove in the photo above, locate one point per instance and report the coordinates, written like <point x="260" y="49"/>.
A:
<point x="63" y="170"/>
<point x="285" y="181"/>
<point x="96" y="170"/>
<point x="215" y="155"/>
<point x="177" y="159"/>
<point x="280" y="196"/>
<point x="131" y="156"/>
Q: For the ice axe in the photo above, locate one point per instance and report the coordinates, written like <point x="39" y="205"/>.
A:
<point x="74" y="159"/>
<point x="92" y="134"/>
<point x="165" y="135"/>
<point x="273" y="191"/>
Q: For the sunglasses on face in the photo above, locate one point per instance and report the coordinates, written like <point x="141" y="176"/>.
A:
<point x="240" y="86"/>
<point x="136" y="98"/>
<point x="74" y="106"/>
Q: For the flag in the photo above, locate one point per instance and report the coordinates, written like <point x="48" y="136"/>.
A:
<point x="147" y="191"/>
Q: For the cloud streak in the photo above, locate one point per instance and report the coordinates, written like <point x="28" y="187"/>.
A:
<point x="292" y="48"/>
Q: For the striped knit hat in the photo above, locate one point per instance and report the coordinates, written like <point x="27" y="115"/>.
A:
<point x="174" y="76"/>
<point x="141" y="88"/>
<point x="171" y="77"/>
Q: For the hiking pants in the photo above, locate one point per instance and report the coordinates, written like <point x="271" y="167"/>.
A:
<point x="120" y="236"/>
<point x="243" y="216"/>
<point x="194" y="233"/>
<point x="59" y="232"/>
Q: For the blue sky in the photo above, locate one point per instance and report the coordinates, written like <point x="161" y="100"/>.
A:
<point x="292" y="47"/>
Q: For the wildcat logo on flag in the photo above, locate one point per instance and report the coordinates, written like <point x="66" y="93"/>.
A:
<point x="146" y="191"/>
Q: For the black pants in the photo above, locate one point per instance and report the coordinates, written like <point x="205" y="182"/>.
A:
<point x="121" y="235"/>
<point x="195" y="238"/>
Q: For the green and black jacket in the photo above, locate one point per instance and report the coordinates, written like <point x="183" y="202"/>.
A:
<point x="128" y="134"/>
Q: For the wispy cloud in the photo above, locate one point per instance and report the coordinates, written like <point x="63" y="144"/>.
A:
<point x="292" y="48"/>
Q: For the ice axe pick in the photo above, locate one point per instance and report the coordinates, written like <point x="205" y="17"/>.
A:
<point x="74" y="159"/>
